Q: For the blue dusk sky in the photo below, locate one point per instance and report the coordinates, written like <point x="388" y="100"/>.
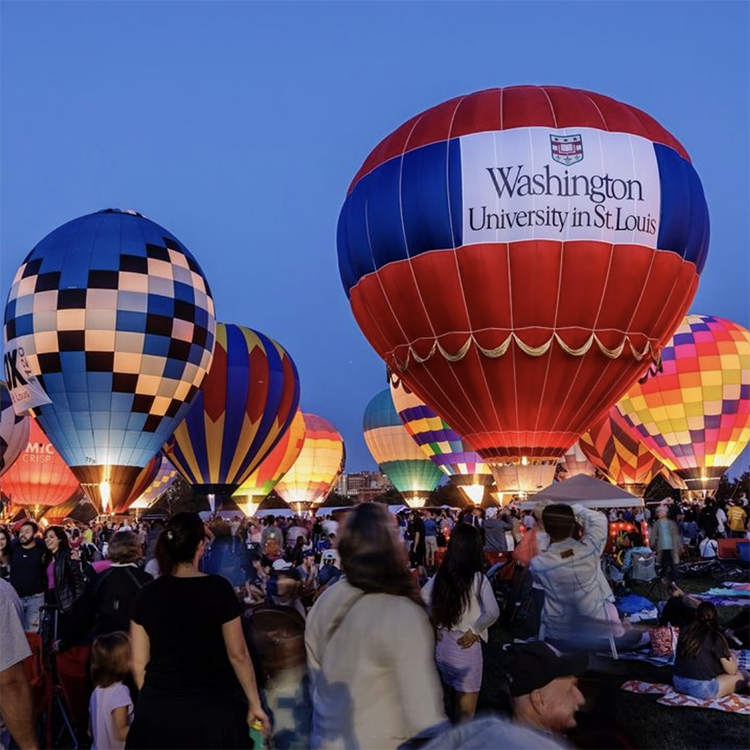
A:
<point x="238" y="126"/>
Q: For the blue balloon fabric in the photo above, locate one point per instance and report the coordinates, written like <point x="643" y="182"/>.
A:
<point x="116" y="319"/>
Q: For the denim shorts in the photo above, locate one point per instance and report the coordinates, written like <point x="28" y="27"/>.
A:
<point x="702" y="689"/>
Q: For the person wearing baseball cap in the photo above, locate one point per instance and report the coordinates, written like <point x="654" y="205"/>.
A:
<point x="544" y="686"/>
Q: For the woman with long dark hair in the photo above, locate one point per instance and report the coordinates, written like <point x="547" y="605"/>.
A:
<point x="370" y="645"/>
<point x="5" y="545"/>
<point x="66" y="582"/>
<point x="704" y="666"/>
<point x="462" y="607"/>
<point x="190" y="660"/>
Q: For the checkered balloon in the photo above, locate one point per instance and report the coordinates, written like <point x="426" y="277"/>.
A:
<point x="116" y="320"/>
<point x="695" y="413"/>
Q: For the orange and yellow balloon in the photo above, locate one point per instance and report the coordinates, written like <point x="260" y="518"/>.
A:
<point x="317" y="467"/>
<point x="274" y="467"/>
<point x="619" y="453"/>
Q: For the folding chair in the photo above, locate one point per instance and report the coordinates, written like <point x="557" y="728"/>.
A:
<point x="644" y="572"/>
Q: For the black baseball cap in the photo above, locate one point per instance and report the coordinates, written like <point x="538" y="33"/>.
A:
<point x="534" y="665"/>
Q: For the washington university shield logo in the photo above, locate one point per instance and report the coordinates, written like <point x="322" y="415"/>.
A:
<point x="567" y="149"/>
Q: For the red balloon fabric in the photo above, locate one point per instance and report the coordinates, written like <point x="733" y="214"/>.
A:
<point x="517" y="256"/>
<point x="39" y="478"/>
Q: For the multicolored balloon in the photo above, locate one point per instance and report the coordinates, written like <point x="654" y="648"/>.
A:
<point x="40" y="479"/>
<point x="113" y="316"/>
<point x="400" y="458"/>
<point x="278" y="462"/>
<point x="317" y="467"/>
<point x="247" y="402"/>
<point x="14" y="430"/>
<point x="442" y="445"/>
<point x="165" y="477"/>
<point x="144" y="479"/>
<point x="506" y="253"/>
<point x="694" y="413"/>
<point x="618" y="452"/>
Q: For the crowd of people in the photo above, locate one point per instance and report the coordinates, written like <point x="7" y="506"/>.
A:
<point x="371" y="627"/>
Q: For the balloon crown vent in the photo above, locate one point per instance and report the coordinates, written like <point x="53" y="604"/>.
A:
<point x="121" y="211"/>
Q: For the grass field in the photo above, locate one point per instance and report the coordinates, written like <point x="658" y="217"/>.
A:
<point x="613" y="718"/>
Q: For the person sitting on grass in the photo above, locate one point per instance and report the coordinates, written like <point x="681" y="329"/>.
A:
<point x="637" y="548"/>
<point x="704" y="667"/>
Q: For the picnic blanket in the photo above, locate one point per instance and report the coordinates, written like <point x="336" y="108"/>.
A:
<point x="724" y="601"/>
<point x="736" y="704"/>
<point x="728" y="591"/>
<point x="743" y="657"/>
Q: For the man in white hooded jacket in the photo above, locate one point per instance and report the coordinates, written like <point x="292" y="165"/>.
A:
<point x="569" y="570"/>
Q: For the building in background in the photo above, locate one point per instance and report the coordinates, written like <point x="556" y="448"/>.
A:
<point x="362" y="485"/>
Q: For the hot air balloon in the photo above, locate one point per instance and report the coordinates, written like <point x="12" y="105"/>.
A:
<point x="40" y="479"/>
<point x="273" y="468"/>
<point x="411" y="472"/>
<point x="575" y="462"/>
<point x="317" y="467"/>
<point x="516" y="256"/>
<point x="694" y="413"/>
<point x="14" y="431"/>
<point x="144" y="480"/>
<point x="246" y="404"/>
<point x="114" y="318"/>
<point x="442" y="445"/>
<point x="619" y="453"/>
<point x="165" y="476"/>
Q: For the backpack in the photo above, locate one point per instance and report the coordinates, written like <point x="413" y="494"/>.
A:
<point x="115" y="604"/>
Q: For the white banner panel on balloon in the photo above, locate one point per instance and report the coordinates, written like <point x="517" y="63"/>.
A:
<point x="570" y="184"/>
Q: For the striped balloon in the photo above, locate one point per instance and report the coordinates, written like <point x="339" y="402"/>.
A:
<point x="247" y="402"/>
<point x="317" y="467"/>
<point x="411" y="472"/>
<point x="615" y="448"/>
<point x="694" y="414"/>
<point x="165" y="477"/>
<point x="278" y="462"/>
<point x="442" y="445"/>
<point x="14" y="431"/>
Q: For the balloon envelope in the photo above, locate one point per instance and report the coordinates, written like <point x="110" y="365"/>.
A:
<point x="14" y="431"/>
<point x="317" y="467"/>
<point x="575" y="462"/>
<point x="411" y="472"/>
<point x="165" y="477"/>
<point x="115" y="317"/>
<point x="442" y="445"/>
<point x="247" y="402"/>
<point x="40" y="479"/>
<point x="278" y="462"/>
<point x="694" y="414"/>
<point x="617" y="450"/>
<point x="507" y="254"/>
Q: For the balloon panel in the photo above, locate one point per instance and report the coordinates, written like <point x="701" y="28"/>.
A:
<point x="247" y="402"/>
<point x="394" y="449"/>
<point x="14" y="431"/>
<point x="278" y="462"/>
<point x="575" y="462"/>
<point x="318" y="466"/>
<point x="165" y="476"/>
<point x="39" y="478"/>
<point x="445" y="447"/>
<point x="695" y="413"/>
<point x="117" y="320"/>
<point x="145" y="478"/>
<point x="614" y="448"/>
<point x="506" y="254"/>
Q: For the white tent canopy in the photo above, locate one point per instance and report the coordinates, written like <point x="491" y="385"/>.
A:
<point x="593" y="493"/>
